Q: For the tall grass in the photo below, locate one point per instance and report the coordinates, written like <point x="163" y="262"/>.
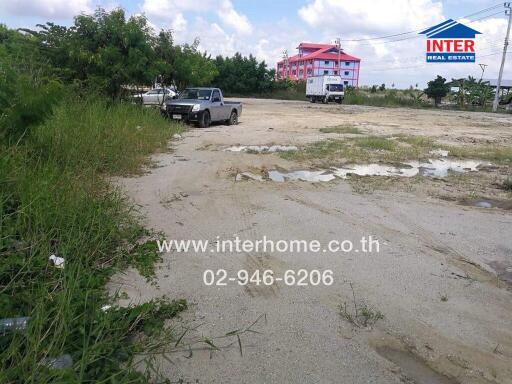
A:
<point x="54" y="199"/>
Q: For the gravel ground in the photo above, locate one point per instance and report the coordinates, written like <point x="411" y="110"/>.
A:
<point x="447" y="317"/>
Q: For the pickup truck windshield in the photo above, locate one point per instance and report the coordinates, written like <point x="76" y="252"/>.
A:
<point x="336" y="87"/>
<point x="196" y="94"/>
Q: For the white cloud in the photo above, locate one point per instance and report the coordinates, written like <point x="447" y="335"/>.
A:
<point x="233" y="19"/>
<point x="370" y="16"/>
<point x="46" y="8"/>
<point x="172" y="13"/>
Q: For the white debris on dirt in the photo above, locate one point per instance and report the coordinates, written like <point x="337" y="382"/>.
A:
<point x="311" y="176"/>
<point x="57" y="261"/>
<point x="439" y="152"/>
<point x="262" y="148"/>
<point x="248" y="176"/>
<point x="177" y="136"/>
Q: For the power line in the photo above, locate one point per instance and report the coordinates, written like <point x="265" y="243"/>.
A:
<point x="419" y="30"/>
<point x="420" y="37"/>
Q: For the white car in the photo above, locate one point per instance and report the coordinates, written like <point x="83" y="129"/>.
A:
<point x="157" y="96"/>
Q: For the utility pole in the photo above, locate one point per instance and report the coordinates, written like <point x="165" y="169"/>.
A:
<point x="505" y="46"/>
<point x="285" y="58"/>
<point x="482" y="66"/>
<point x="338" y="46"/>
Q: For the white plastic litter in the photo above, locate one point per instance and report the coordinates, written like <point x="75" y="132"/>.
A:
<point x="61" y="362"/>
<point x="14" y="324"/>
<point x="105" y="308"/>
<point x="57" y="261"/>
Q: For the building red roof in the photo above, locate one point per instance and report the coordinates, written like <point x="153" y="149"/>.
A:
<point x="315" y="46"/>
<point x="322" y="53"/>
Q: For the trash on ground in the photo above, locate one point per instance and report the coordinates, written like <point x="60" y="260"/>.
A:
<point x="14" y="324"/>
<point x="439" y="152"/>
<point x="57" y="261"/>
<point x="61" y="362"/>
<point x="248" y="176"/>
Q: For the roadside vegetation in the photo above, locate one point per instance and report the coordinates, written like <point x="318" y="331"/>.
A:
<point x="63" y="135"/>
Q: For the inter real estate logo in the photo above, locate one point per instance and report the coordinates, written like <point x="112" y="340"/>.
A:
<point x="450" y="42"/>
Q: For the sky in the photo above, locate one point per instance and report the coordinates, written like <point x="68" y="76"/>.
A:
<point x="265" y="28"/>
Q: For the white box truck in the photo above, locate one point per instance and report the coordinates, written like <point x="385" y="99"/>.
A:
<point x="325" y="88"/>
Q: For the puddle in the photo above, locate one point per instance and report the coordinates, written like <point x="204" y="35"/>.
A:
<point x="439" y="152"/>
<point x="432" y="168"/>
<point x="487" y="203"/>
<point x="312" y="176"/>
<point x="262" y="148"/>
<point x="413" y="367"/>
<point x="503" y="270"/>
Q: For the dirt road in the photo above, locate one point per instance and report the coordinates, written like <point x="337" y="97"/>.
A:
<point x="447" y="317"/>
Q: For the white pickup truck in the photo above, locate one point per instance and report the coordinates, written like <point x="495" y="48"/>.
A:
<point x="203" y="106"/>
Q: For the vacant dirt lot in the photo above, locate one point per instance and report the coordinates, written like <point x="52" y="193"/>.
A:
<point x="441" y="279"/>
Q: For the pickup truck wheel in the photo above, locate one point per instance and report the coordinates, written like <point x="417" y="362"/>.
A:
<point x="233" y="118"/>
<point x="205" y="120"/>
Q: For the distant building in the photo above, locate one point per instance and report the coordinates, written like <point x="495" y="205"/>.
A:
<point x="320" y="59"/>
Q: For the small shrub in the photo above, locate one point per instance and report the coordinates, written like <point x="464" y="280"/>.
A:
<point x="376" y="142"/>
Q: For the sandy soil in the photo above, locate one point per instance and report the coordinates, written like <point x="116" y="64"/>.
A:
<point x="448" y="318"/>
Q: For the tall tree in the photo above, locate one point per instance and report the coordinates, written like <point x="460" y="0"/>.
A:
<point x="437" y="89"/>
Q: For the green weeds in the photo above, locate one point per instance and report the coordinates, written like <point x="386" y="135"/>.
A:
<point x="342" y="129"/>
<point x="54" y="199"/>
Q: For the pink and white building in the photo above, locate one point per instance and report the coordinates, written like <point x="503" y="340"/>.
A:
<point x="320" y="59"/>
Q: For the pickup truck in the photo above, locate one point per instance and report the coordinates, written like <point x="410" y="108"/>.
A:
<point x="203" y="106"/>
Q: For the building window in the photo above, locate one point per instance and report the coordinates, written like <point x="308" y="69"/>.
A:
<point x="326" y="72"/>
<point x="347" y="73"/>
<point x="326" y="62"/>
<point x="347" y="63"/>
<point x="345" y="82"/>
<point x="294" y="72"/>
<point x="310" y="71"/>
<point x="335" y="72"/>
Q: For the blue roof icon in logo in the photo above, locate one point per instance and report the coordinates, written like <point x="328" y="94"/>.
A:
<point x="450" y="29"/>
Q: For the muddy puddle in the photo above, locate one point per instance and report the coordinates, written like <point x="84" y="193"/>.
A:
<point x="413" y="367"/>
<point x="432" y="168"/>
<point x="487" y="203"/>
<point x="261" y="148"/>
<point x="503" y="270"/>
<point x="312" y="176"/>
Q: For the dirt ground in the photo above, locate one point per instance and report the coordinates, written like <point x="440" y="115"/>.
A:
<point x="439" y="280"/>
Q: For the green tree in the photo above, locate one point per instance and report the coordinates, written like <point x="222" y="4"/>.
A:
<point x="101" y="51"/>
<point x="193" y="68"/>
<point x="437" y="89"/>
